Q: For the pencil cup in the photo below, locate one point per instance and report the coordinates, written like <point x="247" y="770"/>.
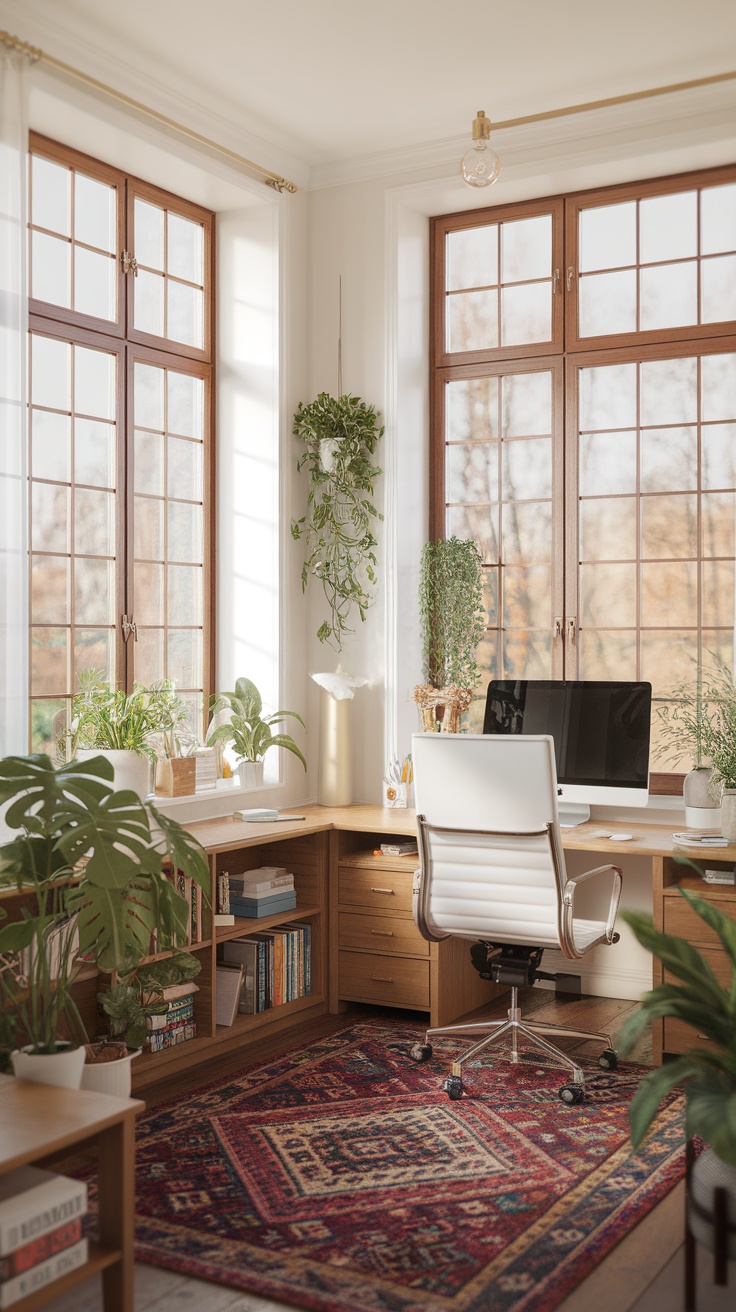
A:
<point x="394" y="794"/>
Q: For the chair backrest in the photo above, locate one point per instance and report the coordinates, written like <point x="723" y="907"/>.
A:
<point x="497" y="871"/>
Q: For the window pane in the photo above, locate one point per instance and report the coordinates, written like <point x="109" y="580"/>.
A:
<point x="526" y="655"/>
<point x="48" y="722"/>
<point x="608" y="596"/>
<point x="607" y="654"/>
<point x="94" y="284"/>
<point x="526" y="314"/>
<point x="149" y="529"/>
<point x="669" y="595"/>
<point x="49" y="517"/>
<point x="719" y="455"/>
<point x="49" y="661"/>
<point x="608" y="236"/>
<point x="149" y="463"/>
<point x="94" y="453"/>
<point x="50" y="195"/>
<point x="472" y="472"/>
<point x="607" y="303"/>
<point x="185" y="317"/>
<point x="51" y="264"/>
<point x="185" y="584"/>
<point x="607" y="463"/>
<point x="185" y="414"/>
<point x="149" y="594"/>
<point x="526" y="249"/>
<point x="669" y="295"/>
<point x="50" y="445"/>
<point x="718" y="219"/>
<point x="527" y="404"/>
<point x="527" y="597"/>
<point x="94" y="383"/>
<point x="185" y="249"/>
<point x="472" y="321"/>
<point x="669" y="527"/>
<point x="668" y="659"/>
<point x="479" y="523"/>
<point x="608" y="397"/>
<point x="490" y="597"/>
<point x="51" y="373"/>
<point x="185" y="541"/>
<point x="50" y="590"/>
<point x="95" y="213"/>
<point x="149" y="397"/>
<point x="608" y="529"/>
<point x="669" y="460"/>
<point x="94" y="649"/>
<point x="472" y="257"/>
<point x="148" y="246"/>
<point x="527" y="533"/>
<point x="185" y="657"/>
<point x="94" y="592"/>
<point x="718" y="513"/>
<point x="718" y="288"/>
<point x="149" y="656"/>
<point x="471" y="409"/>
<point x="149" y="303"/>
<point x="668" y="227"/>
<point x="719" y="387"/>
<point x="527" y="469"/>
<point x="718" y="583"/>
<point x="669" y="391"/>
<point x="94" y="522"/>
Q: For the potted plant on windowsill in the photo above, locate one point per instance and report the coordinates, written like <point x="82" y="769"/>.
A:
<point x="124" y="726"/>
<point x="708" y="1074"/>
<point x="250" y="732"/>
<point x="87" y="869"/>
<point x="452" y="626"/>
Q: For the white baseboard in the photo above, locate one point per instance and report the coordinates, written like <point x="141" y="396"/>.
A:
<point x="599" y="981"/>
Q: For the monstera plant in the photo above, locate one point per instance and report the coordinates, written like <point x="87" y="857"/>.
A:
<point x="87" y="865"/>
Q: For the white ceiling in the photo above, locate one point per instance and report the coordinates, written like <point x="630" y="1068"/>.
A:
<point x="332" y="80"/>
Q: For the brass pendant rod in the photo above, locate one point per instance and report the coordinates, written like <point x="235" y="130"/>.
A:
<point x="615" y="100"/>
<point x="34" y="54"/>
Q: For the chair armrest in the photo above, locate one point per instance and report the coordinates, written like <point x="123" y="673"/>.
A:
<point x="568" y="903"/>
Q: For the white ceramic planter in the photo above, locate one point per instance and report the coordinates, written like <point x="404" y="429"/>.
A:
<point x="250" y="774"/>
<point x="113" y="1077"/>
<point x="728" y="814"/>
<point x="63" y="1069"/>
<point x="709" y="1173"/>
<point x="701" y="809"/>
<point x="131" y="770"/>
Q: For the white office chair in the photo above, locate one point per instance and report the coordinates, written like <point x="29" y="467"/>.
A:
<point x="493" y="870"/>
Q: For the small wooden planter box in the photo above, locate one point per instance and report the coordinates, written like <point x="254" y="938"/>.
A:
<point x="176" y="777"/>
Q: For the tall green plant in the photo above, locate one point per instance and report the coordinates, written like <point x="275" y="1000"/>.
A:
<point x="113" y="720"/>
<point x="88" y="864"/>
<point x="340" y="435"/>
<point x="249" y="731"/>
<point x="700" y="718"/>
<point x="451" y="612"/>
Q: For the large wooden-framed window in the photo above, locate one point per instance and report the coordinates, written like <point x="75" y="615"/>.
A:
<point x="121" y="435"/>
<point x="608" y="528"/>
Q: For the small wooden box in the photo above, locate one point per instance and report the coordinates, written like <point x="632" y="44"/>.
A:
<point x="176" y="777"/>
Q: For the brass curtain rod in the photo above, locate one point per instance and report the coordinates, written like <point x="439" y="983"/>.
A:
<point x="269" y="178"/>
<point x="282" y="184"/>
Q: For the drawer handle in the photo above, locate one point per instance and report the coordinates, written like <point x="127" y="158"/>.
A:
<point x="383" y="933"/>
<point x="390" y="891"/>
<point x="382" y="979"/>
<point x="701" y="1036"/>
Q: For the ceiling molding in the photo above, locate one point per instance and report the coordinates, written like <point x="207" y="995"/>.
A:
<point x="705" y="106"/>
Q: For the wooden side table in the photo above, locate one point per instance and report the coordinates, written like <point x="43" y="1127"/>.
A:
<point x="38" y="1121"/>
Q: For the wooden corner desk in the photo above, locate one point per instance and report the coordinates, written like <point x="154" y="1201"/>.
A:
<point x="365" y="945"/>
<point x="38" y="1122"/>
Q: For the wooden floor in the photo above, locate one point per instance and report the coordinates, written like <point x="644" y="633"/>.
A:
<point x="643" y="1274"/>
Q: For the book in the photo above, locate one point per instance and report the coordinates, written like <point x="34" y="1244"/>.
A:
<point x="240" y="887"/>
<point x="170" y="1037"/>
<point x="41" y="1249"/>
<point x="252" y="908"/>
<point x="174" y="991"/>
<point x="700" y="838"/>
<point x="262" y="814"/>
<point x="179" y="1011"/>
<point x="221" y="921"/>
<point x="43" y="1273"/>
<point x="228" y="986"/>
<point x="409" y="848"/>
<point x="223" y="893"/>
<point x="34" y="1202"/>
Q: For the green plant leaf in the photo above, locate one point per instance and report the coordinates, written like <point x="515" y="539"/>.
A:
<point x="652" y="1091"/>
<point x="677" y="956"/>
<point x="711" y="1113"/>
<point x="184" y="850"/>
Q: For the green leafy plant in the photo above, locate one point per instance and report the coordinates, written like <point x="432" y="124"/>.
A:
<point x="699" y="719"/>
<point x="113" y="720"/>
<point x="340" y="435"/>
<point x="250" y="732"/>
<point x="451" y="612"/>
<point x="87" y="862"/>
<point x="709" y="1075"/>
<point x="129" y="1003"/>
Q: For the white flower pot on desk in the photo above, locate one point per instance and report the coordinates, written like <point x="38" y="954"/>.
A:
<point x="62" y="1068"/>
<point x="131" y="770"/>
<point x="728" y="814"/>
<point x="701" y="809"/>
<point x="250" y="774"/>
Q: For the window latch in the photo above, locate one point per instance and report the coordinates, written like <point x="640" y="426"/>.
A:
<point x="129" y="628"/>
<point x="555" y="282"/>
<point x="571" y="630"/>
<point x="129" y="263"/>
<point x="570" y="277"/>
<point x="556" y="628"/>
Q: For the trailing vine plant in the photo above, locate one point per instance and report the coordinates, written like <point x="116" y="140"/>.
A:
<point x="340" y="435"/>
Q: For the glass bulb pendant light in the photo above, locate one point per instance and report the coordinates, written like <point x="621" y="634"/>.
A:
<point x="480" y="166"/>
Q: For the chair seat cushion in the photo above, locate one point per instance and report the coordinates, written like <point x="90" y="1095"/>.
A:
<point x="585" y="932"/>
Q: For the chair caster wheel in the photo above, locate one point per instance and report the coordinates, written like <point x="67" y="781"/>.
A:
<point x="454" y="1087"/>
<point x="421" y="1052"/>
<point x="572" y="1094"/>
<point x="608" y="1060"/>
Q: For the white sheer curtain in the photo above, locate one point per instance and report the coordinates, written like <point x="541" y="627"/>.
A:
<point x="13" y="409"/>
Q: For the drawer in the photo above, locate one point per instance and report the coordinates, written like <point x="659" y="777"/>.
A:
<point x="679" y="1037"/>
<point x="681" y="920"/>
<point x="359" y="929"/>
<point x="719" y="963"/>
<point x="381" y="890"/>
<point x="394" y="981"/>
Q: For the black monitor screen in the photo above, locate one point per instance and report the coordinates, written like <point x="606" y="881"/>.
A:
<point x="600" y="729"/>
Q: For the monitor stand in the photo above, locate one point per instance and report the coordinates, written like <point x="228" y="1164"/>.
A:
<point x="572" y="813"/>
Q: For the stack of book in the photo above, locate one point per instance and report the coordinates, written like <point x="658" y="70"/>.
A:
<point x="41" y="1216"/>
<point x="277" y="966"/>
<point x="177" y="1023"/>
<point x="262" y="892"/>
<point x="206" y="760"/>
<point x="223" y="893"/>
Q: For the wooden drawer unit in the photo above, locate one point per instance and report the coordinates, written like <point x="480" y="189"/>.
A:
<point x="381" y="934"/>
<point x="377" y="889"/>
<point x="679" y="1037"/>
<point x="681" y="920"/>
<point x="393" y="981"/>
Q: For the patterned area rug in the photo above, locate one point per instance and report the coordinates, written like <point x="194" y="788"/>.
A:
<point x="341" y="1177"/>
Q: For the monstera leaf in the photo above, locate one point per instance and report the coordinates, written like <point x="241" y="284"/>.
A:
<point x="115" y="924"/>
<point x="116" y="838"/>
<point x="42" y="793"/>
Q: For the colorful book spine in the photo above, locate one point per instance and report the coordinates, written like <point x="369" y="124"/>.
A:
<point x="181" y="1010"/>
<point x="43" y="1274"/>
<point x="40" y="1250"/>
<point x="33" y="1202"/>
<point x="172" y="1035"/>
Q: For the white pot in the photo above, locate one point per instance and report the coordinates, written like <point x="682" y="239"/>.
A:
<point x="64" y="1068"/>
<point x="709" y="1173"/>
<point x="131" y="770"/>
<point x="250" y="774"/>
<point x="728" y="814"/>
<point x="701" y="809"/>
<point x="113" y="1077"/>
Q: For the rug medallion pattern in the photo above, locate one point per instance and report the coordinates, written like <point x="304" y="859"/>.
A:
<point x="340" y="1178"/>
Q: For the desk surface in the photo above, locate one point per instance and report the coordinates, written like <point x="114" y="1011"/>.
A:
<point x="227" y="832"/>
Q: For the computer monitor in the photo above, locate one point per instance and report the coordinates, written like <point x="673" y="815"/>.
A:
<point x="601" y="734"/>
